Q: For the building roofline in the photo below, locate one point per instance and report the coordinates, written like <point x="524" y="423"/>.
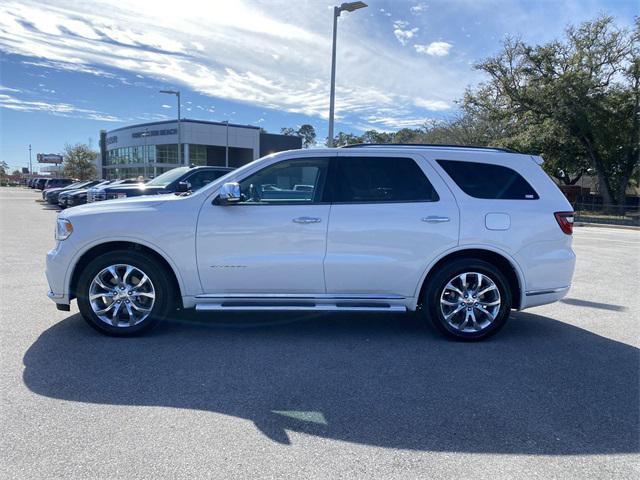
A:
<point x="182" y="120"/>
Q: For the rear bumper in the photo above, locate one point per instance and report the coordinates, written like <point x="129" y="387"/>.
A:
<point x="535" y="298"/>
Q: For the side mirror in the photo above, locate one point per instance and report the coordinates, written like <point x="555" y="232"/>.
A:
<point x="182" y="187"/>
<point x="229" y="193"/>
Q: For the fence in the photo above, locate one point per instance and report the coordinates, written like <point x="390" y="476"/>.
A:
<point x="607" y="214"/>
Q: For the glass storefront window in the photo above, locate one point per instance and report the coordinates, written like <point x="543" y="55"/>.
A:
<point x="197" y="154"/>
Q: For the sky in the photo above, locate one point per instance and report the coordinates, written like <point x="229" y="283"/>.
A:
<point x="71" y="68"/>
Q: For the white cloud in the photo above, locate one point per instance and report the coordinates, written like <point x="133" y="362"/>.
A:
<point x="402" y="31"/>
<point x="198" y="46"/>
<point x="433" y="105"/>
<point x="438" y="49"/>
<point x="163" y="42"/>
<point x="60" y="109"/>
<point x="9" y="89"/>
<point x="166" y="106"/>
<point x="419" y="8"/>
<point x="395" y="123"/>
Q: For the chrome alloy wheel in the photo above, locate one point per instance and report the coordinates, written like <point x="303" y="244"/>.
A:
<point x="470" y="302"/>
<point x="122" y="295"/>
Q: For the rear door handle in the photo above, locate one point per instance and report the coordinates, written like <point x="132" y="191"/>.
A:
<point x="307" y="220"/>
<point x="435" y="219"/>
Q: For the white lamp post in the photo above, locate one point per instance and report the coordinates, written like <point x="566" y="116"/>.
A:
<point x="177" y="94"/>
<point x="345" y="7"/>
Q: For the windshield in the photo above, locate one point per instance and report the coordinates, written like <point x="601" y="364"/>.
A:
<point x="168" y="177"/>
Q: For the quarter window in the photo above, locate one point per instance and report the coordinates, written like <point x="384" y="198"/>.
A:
<point x="380" y="179"/>
<point x="484" y="180"/>
<point x="290" y="181"/>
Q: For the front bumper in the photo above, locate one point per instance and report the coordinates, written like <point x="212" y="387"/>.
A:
<point x="56" y="272"/>
<point x="62" y="301"/>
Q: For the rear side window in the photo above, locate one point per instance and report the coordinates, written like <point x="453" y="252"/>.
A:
<point x="484" y="180"/>
<point x="380" y="179"/>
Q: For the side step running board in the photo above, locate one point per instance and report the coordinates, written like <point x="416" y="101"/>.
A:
<point x="322" y="307"/>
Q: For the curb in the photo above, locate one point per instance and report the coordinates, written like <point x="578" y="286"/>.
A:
<point x="607" y="225"/>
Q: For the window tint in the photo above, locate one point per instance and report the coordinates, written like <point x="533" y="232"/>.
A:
<point x="483" y="180"/>
<point x="380" y="179"/>
<point x="203" y="177"/>
<point x="298" y="181"/>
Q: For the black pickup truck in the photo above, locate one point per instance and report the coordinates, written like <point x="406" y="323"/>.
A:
<point x="181" y="179"/>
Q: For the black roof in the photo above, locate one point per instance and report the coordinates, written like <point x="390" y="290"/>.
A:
<point x="433" y="145"/>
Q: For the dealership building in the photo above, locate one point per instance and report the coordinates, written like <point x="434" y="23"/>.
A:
<point x="150" y="149"/>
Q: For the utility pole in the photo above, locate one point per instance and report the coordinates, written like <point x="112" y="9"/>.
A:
<point x="226" y="148"/>
<point x="30" y="167"/>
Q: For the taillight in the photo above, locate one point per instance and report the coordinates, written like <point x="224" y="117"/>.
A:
<point x="565" y="220"/>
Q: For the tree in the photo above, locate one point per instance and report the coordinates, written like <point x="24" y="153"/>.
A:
<point x="577" y="99"/>
<point x="79" y="161"/>
<point x="343" y="139"/>
<point x="306" y="131"/>
<point x="373" y="136"/>
<point x="3" y="171"/>
<point x="288" y="131"/>
<point x="308" y="134"/>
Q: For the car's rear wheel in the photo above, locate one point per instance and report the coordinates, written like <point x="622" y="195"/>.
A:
<point x="468" y="299"/>
<point x="124" y="293"/>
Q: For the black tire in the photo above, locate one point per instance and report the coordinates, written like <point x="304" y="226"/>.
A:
<point x="430" y="301"/>
<point x="164" y="300"/>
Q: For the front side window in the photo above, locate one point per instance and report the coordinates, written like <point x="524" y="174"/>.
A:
<point x="485" y="180"/>
<point x="290" y="181"/>
<point x="380" y="179"/>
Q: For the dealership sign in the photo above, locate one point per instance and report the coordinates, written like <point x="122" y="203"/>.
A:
<point x="49" y="158"/>
<point x="155" y="133"/>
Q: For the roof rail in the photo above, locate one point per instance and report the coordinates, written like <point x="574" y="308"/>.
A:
<point x="361" y="145"/>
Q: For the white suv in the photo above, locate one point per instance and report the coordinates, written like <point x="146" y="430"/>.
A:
<point x="460" y="234"/>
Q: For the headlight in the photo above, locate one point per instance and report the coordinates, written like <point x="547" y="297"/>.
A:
<point x="63" y="229"/>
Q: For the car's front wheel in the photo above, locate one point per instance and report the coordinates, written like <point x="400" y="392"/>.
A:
<point x="468" y="299"/>
<point x="123" y="293"/>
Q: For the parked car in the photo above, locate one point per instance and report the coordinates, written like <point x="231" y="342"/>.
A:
<point x="179" y="179"/>
<point x="33" y="181"/>
<point x="57" y="183"/>
<point x="49" y="191"/>
<point x="52" y="195"/>
<point x="95" y="193"/>
<point x="78" y="196"/>
<point x="461" y="235"/>
<point x="40" y="183"/>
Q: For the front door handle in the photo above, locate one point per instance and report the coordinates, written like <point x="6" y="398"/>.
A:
<point x="435" y="219"/>
<point x="307" y="220"/>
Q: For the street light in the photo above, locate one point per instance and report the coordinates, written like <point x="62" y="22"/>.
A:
<point x="145" y="155"/>
<point x="345" y="7"/>
<point x="177" y="94"/>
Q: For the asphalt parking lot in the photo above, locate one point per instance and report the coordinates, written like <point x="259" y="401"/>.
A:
<point x="554" y="395"/>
